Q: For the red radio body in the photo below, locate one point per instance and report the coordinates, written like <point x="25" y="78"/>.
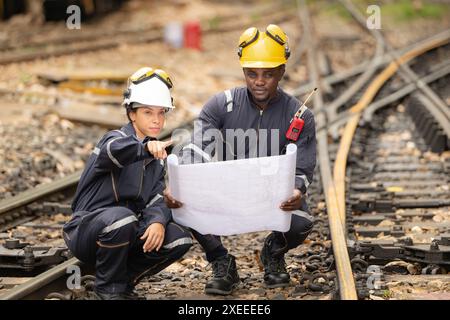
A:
<point x="295" y="129"/>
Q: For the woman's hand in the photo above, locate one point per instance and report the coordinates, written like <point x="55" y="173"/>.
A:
<point x="158" y="148"/>
<point x="155" y="237"/>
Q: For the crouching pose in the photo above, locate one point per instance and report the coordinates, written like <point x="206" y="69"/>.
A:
<point x="121" y="224"/>
<point x="259" y="106"/>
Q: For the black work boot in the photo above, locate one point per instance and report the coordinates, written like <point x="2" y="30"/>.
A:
<point x="225" y="276"/>
<point x="131" y="294"/>
<point x="275" y="273"/>
<point x="110" y="296"/>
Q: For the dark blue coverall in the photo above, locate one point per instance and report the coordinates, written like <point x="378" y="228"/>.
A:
<point x="119" y="195"/>
<point x="236" y="110"/>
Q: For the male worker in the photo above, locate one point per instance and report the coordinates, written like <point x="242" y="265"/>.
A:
<point x="260" y="105"/>
<point x="121" y="224"/>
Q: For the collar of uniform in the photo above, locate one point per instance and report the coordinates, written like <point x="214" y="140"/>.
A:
<point x="129" y="131"/>
<point x="271" y="102"/>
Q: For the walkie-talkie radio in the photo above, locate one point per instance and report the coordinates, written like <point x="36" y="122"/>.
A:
<point x="297" y="122"/>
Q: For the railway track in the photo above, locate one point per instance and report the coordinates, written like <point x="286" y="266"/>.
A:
<point x="45" y="200"/>
<point x="382" y="185"/>
<point x="351" y="276"/>
<point x="83" y="42"/>
<point x="397" y="201"/>
<point x="420" y="253"/>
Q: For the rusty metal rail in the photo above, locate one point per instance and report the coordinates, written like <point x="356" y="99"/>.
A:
<point x="41" y="285"/>
<point x="52" y="279"/>
<point x="58" y="47"/>
<point x="356" y="111"/>
<point x="334" y="185"/>
<point x="344" y="270"/>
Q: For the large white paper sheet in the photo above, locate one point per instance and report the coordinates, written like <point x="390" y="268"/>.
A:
<point x="233" y="197"/>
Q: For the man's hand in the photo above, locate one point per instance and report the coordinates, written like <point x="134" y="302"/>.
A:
<point x="293" y="203"/>
<point x="158" y="148"/>
<point x="155" y="237"/>
<point x="170" y="201"/>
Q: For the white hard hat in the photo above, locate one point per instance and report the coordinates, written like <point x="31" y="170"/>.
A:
<point x="149" y="87"/>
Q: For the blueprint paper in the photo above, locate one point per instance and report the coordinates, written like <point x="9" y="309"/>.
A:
<point x="233" y="197"/>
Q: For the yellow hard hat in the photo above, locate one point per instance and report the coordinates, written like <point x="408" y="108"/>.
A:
<point x="263" y="50"/>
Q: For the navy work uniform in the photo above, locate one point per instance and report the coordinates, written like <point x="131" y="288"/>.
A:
<point x="119" y="195"/>
<point x="234" y="109"/>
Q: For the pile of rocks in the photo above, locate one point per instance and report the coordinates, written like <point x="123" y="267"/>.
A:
<point x="40" y="149"/>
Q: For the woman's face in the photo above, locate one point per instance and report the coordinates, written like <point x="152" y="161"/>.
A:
<point x="148" y="121"/>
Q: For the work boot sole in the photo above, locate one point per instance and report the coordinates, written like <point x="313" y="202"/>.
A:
<point x="221" y="292"/>
<point x="277" y="285"/>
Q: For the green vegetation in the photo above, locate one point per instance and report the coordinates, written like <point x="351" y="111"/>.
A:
<point x="406" y="10"/>
<point x="399" y="10"/>
<point x="387" y="294"/>
<point x="25" y="77"/>
<point x="255" y="17"/>
<point x="214" y="23"/>
<point x="334" y="8"/>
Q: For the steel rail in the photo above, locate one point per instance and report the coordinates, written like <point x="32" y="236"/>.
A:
<point x="347" y="287"/>
<point x="336" y="78"/>
<point x="407" y="89"/>
<point x="24" y="198"/>
<point x="110" y="43"/>
<point x="38" y="192"/>
<point x="37" y="283"/>
<point x="40" y="281"/>
<point x="332" y="108"/>
<point x="406" y="72"/>
<point x="356" y="110"/>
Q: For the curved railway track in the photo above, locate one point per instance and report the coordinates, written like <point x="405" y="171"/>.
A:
<point x="352" y="203"/>
<point x="26" y="49"/>
<point x="338" y="213"/>
<point x="341" y="111"/>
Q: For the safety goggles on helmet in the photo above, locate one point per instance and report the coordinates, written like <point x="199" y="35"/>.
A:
<point x="148" y="73"/>
<point x="149" y="87"/>
<point x="272" y="31"/>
